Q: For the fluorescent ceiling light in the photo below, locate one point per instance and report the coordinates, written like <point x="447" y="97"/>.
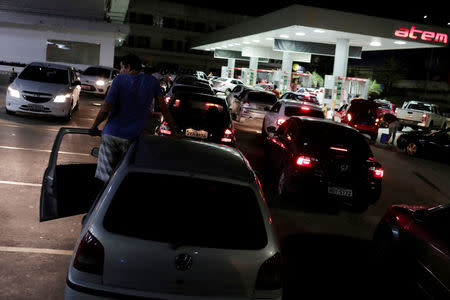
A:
<point x="255" y="41"/>
<point x="319" y="31"/>
<point x="269" y="39"/>
<point x="285" y="36"/>
<point x="400" y="42"/>
<point x="300" y="33"/>
<point x="375" y="44"/>
<point x="246" y="43"/>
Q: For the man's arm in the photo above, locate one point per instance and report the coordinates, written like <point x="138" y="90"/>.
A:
<point x="102" y="115"/>
<point x="166" y="114"/>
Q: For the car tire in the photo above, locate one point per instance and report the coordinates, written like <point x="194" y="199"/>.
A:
<point x="412" y="149"/>
<point x="9" y="112"/>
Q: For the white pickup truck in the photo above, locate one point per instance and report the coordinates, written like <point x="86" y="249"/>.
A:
<point x="420" y="114"/>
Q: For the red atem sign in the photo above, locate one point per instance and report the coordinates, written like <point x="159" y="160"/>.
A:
<point x="428" y="36"/>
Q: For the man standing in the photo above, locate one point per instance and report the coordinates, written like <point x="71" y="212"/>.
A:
<point x="275" y="91"/>
<point x="393" y="126"/>
<point x="127" y="107"/>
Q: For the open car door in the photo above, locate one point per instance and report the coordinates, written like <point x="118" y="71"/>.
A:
<point x="69" y="186"/>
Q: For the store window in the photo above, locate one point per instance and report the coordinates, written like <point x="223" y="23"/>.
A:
<point x="73" y="52"/>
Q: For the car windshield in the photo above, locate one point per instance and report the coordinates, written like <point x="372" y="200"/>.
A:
<point x="206" y="111"/>
<point x="198" y="212"/>
<point x="266" y="98"/>
<point x="290" y="111"/>
<point x="98" y="72"/>
<point x="384" y="106"/>
<point x="420" y="106"/>
<point x="45" y="74"/>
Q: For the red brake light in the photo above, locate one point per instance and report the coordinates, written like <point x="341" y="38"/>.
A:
<point x="304" y="161"/>
<point x="166" y="99"/>
<point x="424" y="117"/>
<point x="377" y="172"/>
<point x="228" y="136"/>
<point x="165" y="129"/>
<point x="177" y="103"/>
<point x="212" y="104"/>
<point x="90" y="255"/>
<point x="269" y="274"/>
<point x="280" y="121"/>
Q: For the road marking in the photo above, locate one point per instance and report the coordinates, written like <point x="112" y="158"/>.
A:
<point x="28" y="126"/>
<point x="20" y="183"/>
<point x="43" y="150"/>
<point x="36" y="250"/>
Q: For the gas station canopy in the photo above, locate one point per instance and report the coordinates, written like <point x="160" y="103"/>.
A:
<point x="316" y="31"/>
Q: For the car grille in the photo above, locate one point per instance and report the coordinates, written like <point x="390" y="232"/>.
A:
<point x="36" y="97"/>
<point x="36" y="108"/>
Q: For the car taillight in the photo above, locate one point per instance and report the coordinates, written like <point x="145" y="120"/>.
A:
<point x="165" y="129"/>
<point x="90" y="255"/>
<point x="349" y="117"/>
<point x="376" y="121"/>
<point x="269" y="274"/>
<point x="377" y="172"/>
<point x="424" y="117"/>
<point x="177" y="103"/>
<point x="280" y="121"/>
<point x="167" y="99"/>
<point x="227" y="136"/>
<point x="304" y="161"/>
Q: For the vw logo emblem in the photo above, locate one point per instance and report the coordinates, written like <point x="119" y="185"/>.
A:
<point x="183" y="262"/>
<point x="344" y="168"/>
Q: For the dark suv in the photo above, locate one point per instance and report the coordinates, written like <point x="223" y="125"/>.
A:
<point x="362" y="115"/>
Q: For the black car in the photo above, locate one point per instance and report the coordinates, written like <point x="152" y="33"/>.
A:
<point x="316" y="159"/>
<point x="200" y="116"/>
<point x="435" y="144"/>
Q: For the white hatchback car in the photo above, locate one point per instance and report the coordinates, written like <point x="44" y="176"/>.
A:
<point x="281" y="111"/>
<point x="45" y="89"/>
<point x="167" y="225"/>
<point x="97" y="79"/>
<point x="225" y="85"/>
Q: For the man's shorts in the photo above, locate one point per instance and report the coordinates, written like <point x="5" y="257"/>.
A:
<point x="393" y="127"/>
<point x="111" y="150"/>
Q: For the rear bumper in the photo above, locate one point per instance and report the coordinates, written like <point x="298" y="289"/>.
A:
<point x="76" y="292"/>
<point x="315" y="189"/>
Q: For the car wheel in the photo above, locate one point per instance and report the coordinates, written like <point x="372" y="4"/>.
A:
<point x="9" y="112"/>
<point x="412" y="149"/>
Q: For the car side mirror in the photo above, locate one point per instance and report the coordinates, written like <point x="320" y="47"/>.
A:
<point x="94" y="152"/>
<point x="267" y="108"/>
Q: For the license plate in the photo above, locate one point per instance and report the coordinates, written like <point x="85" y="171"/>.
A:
<point x="35" y="107"/>
<point x="340" y="191"/>
<point x="201" y="134"/>
<point x="85" y="87"/>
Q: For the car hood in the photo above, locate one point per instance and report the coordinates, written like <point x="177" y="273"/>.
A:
<point x="86" y="78"/>
<point x="40" y="87"/>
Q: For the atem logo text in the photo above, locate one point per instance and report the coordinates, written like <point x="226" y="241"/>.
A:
<point x="428" y="36"/>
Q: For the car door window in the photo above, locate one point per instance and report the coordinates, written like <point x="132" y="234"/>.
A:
<point x="276" y="107"/>
<point x="233" y="81"/>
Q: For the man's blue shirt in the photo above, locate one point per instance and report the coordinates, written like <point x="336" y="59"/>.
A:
<point x="131" y="97"/>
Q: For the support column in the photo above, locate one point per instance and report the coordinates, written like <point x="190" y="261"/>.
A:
<point x="253" y="70"/>
<point x="286" y="72"/>
<point x="230" y="67"/>
<point x="341" y="58"/>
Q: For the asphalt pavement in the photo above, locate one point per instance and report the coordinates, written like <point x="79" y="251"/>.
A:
<point x="327" y="253"/>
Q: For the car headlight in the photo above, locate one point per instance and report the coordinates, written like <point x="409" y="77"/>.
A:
<point x="62" y="98"/>
<point x="100" y="82"/>
<point x="13" y="92"/>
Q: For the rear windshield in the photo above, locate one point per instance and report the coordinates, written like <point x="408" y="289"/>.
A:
<point x="363" y="109"/>
<point x="45" y="74"/>
<point x="319" y="137"/>
<point x="420" y="106"/>
<point x="197" y="212"/>
<point x="98" y="72"/>
<point x="385" y="106"/>
<point x="266" y="98"/>
<point x="290" y="111"/>
<point x="192" y="89"/>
